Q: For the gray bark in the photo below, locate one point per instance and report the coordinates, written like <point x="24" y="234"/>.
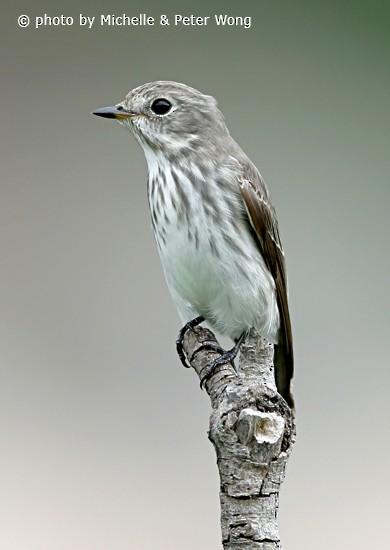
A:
<point x="253" y="431"/>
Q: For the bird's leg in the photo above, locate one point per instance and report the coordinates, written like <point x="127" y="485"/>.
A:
<point x="179" y="342"/>
<point x="227" y="356"/>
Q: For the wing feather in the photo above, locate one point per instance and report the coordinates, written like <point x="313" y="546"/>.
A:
<point x="264" y="222"/>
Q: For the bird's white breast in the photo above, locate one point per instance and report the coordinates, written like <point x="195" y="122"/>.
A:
<point x="212" y="264"/>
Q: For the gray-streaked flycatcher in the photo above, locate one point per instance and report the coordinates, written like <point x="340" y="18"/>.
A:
<point x="213" y="219"/>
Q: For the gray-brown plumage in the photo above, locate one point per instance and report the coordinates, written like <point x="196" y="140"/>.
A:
<point x="213" y="219"/>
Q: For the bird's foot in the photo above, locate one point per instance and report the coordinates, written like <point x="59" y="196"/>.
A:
<point x="179" y="342"/>
<point x="227" y="356"/>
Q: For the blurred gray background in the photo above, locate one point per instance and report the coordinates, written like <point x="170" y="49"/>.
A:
<point x="103" y="440"/>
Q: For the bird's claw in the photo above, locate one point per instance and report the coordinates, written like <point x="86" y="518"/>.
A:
<point x="227" y="356"/>
<point x="179" y="342"/>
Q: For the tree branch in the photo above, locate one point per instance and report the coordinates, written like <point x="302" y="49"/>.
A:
<point x="253" y="431"/>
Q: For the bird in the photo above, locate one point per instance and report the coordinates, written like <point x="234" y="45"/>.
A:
<point x="213" y="219"/>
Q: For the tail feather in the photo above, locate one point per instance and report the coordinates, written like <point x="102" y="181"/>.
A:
<point x="283" y="362"/>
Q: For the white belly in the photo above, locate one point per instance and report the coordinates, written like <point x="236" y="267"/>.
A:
<point x="218" y="274"/>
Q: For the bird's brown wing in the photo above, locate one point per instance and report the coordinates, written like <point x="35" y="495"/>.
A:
<point x="263" y="220"/>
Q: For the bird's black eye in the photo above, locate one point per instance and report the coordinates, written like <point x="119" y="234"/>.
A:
<point x="161" y="106"/>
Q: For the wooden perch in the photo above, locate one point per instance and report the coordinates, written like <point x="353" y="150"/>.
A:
<point x="253" y="431"/>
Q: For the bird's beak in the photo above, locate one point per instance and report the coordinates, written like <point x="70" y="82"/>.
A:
<point x="114" y="111"/>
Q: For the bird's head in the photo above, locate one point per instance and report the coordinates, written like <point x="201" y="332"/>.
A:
<point x="168" y="116"/>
